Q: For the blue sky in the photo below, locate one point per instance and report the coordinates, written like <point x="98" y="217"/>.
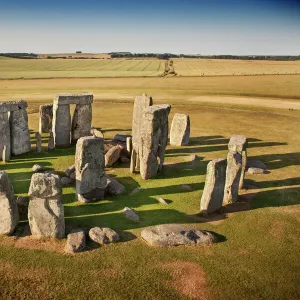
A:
<point x="178" y="26"/>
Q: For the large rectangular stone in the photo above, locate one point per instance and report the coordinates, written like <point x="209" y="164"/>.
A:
<point x="61" y="125"/>
<point x="5" y="137"/>
<point x="12" y="106"/>
<point x="64" y="99"/>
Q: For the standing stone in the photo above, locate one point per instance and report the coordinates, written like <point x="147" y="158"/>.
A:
<point x="129" y="144"/>
<point x="213" y="193"/>
<point x="180" y="130"/>
<point x="45" y="210"/>
<point x="61" y="125"/>
<point x="140" y="103"/>
<point x="154" y="139"/>
<point x="82" y="121"/>
<point x="20" y="135"/>
<point x="233" y="175"/>
<point x="38" y="142"/>
<point x="46" y="115"/>
<point x="51" y="144"/>
<point x="90" y="169"/>
<point x="239" y="143"/>
<point x="5" y="136"/>
<point x="9" y="215"/>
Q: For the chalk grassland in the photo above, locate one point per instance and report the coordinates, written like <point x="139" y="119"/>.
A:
<point x="221" y="67"/>
<point x="59" y="68"/>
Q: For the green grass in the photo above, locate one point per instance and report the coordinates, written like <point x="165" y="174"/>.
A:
<point x="258" y="258"/>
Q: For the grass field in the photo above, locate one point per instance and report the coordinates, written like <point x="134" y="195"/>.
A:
<point x="257" y="258"/>
<point x="57" y="68"/>
<point x="221" y="67"/>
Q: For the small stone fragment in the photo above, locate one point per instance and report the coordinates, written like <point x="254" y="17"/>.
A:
<point x="162" y="201"/>
<point x="75" y="241"/>
<point x="131" y="214"/>
<point x="37" y="168"/>
<point x="256" y="171"/>
<point x="114" y="187"/>
<point x="186" y="187"/>
<point x="103" y="236"/>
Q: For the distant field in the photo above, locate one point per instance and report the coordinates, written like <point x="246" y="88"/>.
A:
<point x="220" y="67"/>
<point x="77" y="55"/>
<point x="59" y="68"/>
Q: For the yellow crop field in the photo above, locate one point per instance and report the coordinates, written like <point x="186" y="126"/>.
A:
<point x="71" y="68"/>
<point x="221" y="67"/>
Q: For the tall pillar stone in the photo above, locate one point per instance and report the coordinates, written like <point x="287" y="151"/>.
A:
<point x="5" y="142"/>
<point x="213" y="193"/>
<point x="153" y="139"/>
<point x="239" y="143"/>
<point x="38" y="147"/>
<point x="233" y="176"/>
<point x="90" y="169"/>
<point x="82" y="121"/>
<point x="20" y="135"/>
<point x="45" y="210"/>
<point x="140" y="104"/>
<point x="9" y="215"/>
<point x="46" y="115"/>
<point x="180" y="130"/>
<point x="61" y="125"/>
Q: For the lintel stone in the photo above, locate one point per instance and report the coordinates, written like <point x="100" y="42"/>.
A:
<point x="64" y="99"/>
<point x="12" y="106"/>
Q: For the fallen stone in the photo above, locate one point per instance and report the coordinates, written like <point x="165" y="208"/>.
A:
<point x="103" y="236"/>
<point x="256" y="164"/>
<point x="66" y="181"/>
<point x="180" y="130"/>
<point x="186" y="187"/>
<point x="70" y="171"/>
<point x="131" y="214"/>
<point x="112" y="155"/>
<point x="37" y="168"/>
<point x="9" y="215"/>
<point x="175" y="235"/>
<point x="75" y="241"/>
<point x="253" y="171"/>
<point x="114" y="187"/>
<point x="162" y="201"/>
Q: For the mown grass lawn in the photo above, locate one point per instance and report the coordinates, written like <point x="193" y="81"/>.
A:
<point x="258" y="254"/>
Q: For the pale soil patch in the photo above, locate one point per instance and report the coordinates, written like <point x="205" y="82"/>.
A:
<point x="188" y="279"/>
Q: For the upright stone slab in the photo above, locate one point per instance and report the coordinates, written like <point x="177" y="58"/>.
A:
<point x="20" y="135"/>
<point x="61" y="125"/>
<point x="38" y="145"/>
<point x="90" y="169"/>
<point x="153" y="139"/>
<point x="239" y="143"/>
<point x="213" y="193"/>
<point x="82" y="121"/>
<point x="45" y="210"/>
<point x="233" y="176"/>
<point x="140" y="104"/>
<point x="5" y="148"/>
<point x="46" y="115"/>
<point x="180" y="130"/>
<point x="9" y="215"/>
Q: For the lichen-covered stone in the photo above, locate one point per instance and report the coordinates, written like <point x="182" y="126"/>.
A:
<point x="114" y="187"/>
<point x="213" y="193"/>
<point x="45" y="210"/>
<point x="61" y="125"/>
<point x="90" y="169"/>
<point x="9" y="106"/>
<point x="5" y="148"/>
<point x="82" y="120"/>
<point x="103" y="236"/>
<point x="66" y="99"/>
<point x="9" y="215"/>
<point x="75" y="241"/>
<point x="112" y="155"/>
<point x="97" y="133"/>
<point x="37" y="168"/>
<point x="253" y="171"/>
<point x="180" y="130"/>
<point x="46" y="115"/>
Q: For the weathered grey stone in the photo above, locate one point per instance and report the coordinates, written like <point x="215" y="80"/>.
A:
<point x="131" y="214"/>
<point x="239" y="143"/>
<point x="175" y="235"/>
<point x="61" y="125"/>
<point x="90" y="169"/>
<point x="66" y="181"/>
<point x="97" y="133"/>
<point x="75" y="241"/>
<point x="162" y="201"/>
<point x="114" y="187"/>
<point x="9" y="215"/>
<point x="46" y="115"/>
<point x="82" y="120"/>
<point x="186" y="187"/>
<point x="51" y="144"/>
<point x="37" y="168"/>
<point x="154" y="139"/>
<point x="45" y="211"/>
<point x="20" y="135"/>
<point x="233" y="175"/>
<point x="12" y="106"/>
<point x="213" y="193"/>
<point x="256" y="164"/>
<point x="129" y="144"/>
<point x="180" y="130"/>
<point x="140" y="104"/>
<point x="66" y="99"/>
<point x="5" y="149"/>
<point x="124" y="160"/>
<point x="103" y="236"/>
<point x="70" y="171"/>
<point x="112" y="155"/>
<point x="256" y="171"/>
<point x="121" y="137"/>
<point x="38" y="142"/>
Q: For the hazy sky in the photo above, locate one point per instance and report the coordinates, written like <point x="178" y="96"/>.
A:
<point x="178" y="26"/>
